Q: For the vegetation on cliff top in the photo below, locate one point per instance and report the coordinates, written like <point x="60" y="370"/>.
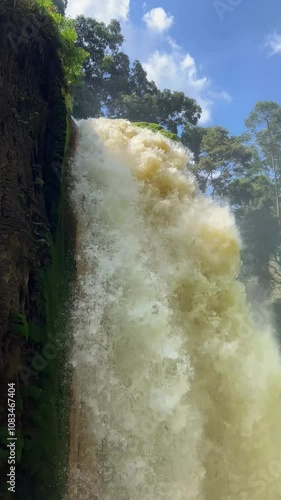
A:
<point x="71" y="55"/>
<point x="158" y="128"/>
<point x="42" y="20"/>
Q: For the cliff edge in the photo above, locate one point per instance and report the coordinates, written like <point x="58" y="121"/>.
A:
<point x="35" y="242"/>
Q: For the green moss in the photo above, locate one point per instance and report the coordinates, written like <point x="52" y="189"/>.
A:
<point x="42" y="321"/>
<point x="62" y="31"/>
<point x="35" y="332"/>
<point x="19" y="447"/>
<point x="33" y="392"/>
<point x="3" y="436"/>
<point x="158" y="128"/>
<point x="3" y="454"/>
<point x="19" y="325"/>
<point x="55" y="150"/>
<point x="19" y="402"/>
<point x="45" y="452"/>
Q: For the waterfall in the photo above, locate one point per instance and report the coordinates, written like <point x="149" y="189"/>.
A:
<point x="178" y="382"/>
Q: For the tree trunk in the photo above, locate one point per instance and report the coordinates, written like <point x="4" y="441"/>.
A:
<point x="275" y="175"/>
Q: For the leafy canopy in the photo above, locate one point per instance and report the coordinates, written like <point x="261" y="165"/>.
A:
<point x="72" y="57"/>
<point x="116" y="88"/>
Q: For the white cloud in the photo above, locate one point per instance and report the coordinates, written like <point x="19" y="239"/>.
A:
<point x="173" y="44"/>
<point x="102" y="10"/>
<point x="170" y="67"/>
<point x="221" y="95"/>
<point x="178" y="71"/>
<point x="158" y="20"/>
<point x="273" y="42"/>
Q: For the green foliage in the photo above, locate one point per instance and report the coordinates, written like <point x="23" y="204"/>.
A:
<point x="35" y="332"/>
<point x="253" y="200"/>
<point x="45" y="424"/>
<point x="262" y="114"/>
<point x="255" y="191"/>
<point x="115" y="88"/>
<point x="101" y="42"/>
<point x="19" y="447"/>
<point x="3" y="436"/>
<point x="72" y="57"/>
<point x="264" y="122"/>
<point x="157" y="128"/>
<point x="19" y="325"/>
<point x="33" y="392"/>
<point x="192" y="138"/>
<point x="60" y="6"/>
<point x="4" y="453"/>
<point x="218" y="157"/>
<point x="264" y="125"/>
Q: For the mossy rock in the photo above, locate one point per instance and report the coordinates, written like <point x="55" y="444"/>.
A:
<point x="3" y="436"/>
<point x="35" y="333"/>
<point x="19" y="325"/>
<point x="4" y="453"/>
<point x="19" y="448"/>
<point x="33" y="392"/>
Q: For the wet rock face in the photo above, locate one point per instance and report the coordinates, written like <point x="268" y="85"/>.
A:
<point x="30" y="95"/>
<point x="33" y="126"/>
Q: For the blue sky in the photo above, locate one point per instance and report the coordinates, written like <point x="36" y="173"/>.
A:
<point x="224" y="53"/>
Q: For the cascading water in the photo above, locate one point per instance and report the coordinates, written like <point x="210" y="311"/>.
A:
<point x="180" y="389"/>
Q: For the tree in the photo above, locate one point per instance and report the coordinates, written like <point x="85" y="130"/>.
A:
<point x="176" y="109"/>
<point x="252" y="199"/>
<point x="192" y="138"/>
<point x="72" y="57"/>
<point x="115" y="88"/>
<point x="138" y="99"/>
<point x="102" y="44"/>
<point x="61" y="6"/>
<point x="218" y="157"/>
<point x="264" y="122"/>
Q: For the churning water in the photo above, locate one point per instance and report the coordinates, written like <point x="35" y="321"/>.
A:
<point x="180" y="387"/>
